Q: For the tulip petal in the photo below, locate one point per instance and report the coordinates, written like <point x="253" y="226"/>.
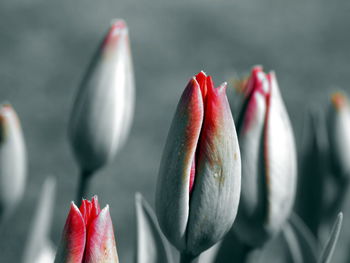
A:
<point x="89" y="210"/>
<point x="328" y="250"/>
<point x="338" y="132"/>
<point x="13" y="160"/>
<point x="215" y="197"/>
<point x="310" y="202"/>
<point x="252" y="209"/>
<point x="152" y="247"/>
<point x="100" y="245"/>
<point x="103" y="108"/>
<point x="281" y="166"/>
<point x="172" y="202"/>
<point x="71" y="248"/>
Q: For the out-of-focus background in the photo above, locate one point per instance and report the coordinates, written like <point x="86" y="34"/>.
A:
<point x="45" y="47"/>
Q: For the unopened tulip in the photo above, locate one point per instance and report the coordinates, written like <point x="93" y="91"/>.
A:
<point x="338" y="130"/>
<point x="13" y="160"/>
<point x="200" y="173"/>
<point x="102" y="113"/>
<point x="88" y="235"/>
<point x="339" y="134"/>
<point x="269" y="166"/>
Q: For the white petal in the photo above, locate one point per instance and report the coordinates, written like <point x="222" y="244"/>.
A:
<point x="281" y="161"/>
<point x="103" y="109"/>
<point x="13" y="161"/>
<point x="339" y="138"/>
<point x="252" y="208"/>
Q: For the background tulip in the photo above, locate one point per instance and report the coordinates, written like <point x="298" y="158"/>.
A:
<point x="269" y="166"/>
<point x="13" y="161"/>
<point x="88" y="235"/>
<point x="338" y="124"/>
<point x="102" y="112"/>
<point x="338" y="154"/>
<point x="199" y="178"/>
<point x="313" y="172"/>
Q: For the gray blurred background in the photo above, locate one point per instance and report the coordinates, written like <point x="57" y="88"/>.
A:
<point x="45" y="47"/>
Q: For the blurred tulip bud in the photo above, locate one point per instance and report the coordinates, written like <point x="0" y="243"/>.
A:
<point x="339" y="135"/>
<point x="103" y="109"/>
<point x="13" y="160"/>
<point x="200" y="173"/>
<point x="269" y="165"/>
<point x="310" y="198"/>
<point x="88" y="235"/>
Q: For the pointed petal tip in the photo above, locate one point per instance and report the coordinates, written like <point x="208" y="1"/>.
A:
<point x="223" y="86"/>
<point x="338" y="100"/>
<point x="257" y="68"/>
<point x="6" y="105"/>
<point x="73" y="206"/>
<point x="94" y="198"/>
<point x="138" y="197"/>
<point x="118" y="23"/>
<point x="6" y="108"/>
<point x="105" y="209"/>
<point x="201" y="73"/>
<point x="117" y="27"/>
<point x="340" y="216"/>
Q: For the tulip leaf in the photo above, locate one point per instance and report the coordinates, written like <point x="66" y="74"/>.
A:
<point x="39" y="247"/>
<point x="152" y="246"/>
<point x="306" y="240"/>
<point x="328" y="250"/>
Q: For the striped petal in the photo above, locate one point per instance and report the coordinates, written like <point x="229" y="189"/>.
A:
<point x="172" y="196"/>
<point x="71" y="249"/>
<point x="215" y="197"/>
<point x="100" y="245"/>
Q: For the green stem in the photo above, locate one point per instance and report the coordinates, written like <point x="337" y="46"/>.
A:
<point x="83" y="186"/>
<point x="186" y="258"/>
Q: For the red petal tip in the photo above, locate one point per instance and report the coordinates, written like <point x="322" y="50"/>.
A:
<point x="118" y="24"/>
<point x="201" y="78"/>
<point x="257" y="68"/>
<point x="338" y="100"/>
<point x="118" y="28"/>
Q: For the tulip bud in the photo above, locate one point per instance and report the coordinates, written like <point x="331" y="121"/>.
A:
<point x="339" y="135"/>
<point x="103" y="109"/>
<point x="88" y="235"/>
<point x="13" y="160"/>
<point x="269" y="166"/>
<point x="200" y="173"/>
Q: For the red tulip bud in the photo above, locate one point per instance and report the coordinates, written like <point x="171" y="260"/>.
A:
<point x="88" y="235"/>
